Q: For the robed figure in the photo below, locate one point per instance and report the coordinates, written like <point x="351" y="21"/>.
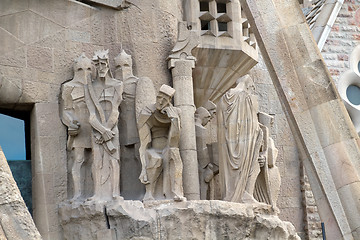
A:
<point x="239" y="138"/>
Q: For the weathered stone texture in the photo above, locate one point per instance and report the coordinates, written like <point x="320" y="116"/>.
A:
<point x="170" y="220"/>
<point x="40" y="40"/>
<point x="288" y="161"/>
<point x="15" y="219"/>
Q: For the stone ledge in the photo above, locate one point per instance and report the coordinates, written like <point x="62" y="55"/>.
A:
<point x="172" y="220"/>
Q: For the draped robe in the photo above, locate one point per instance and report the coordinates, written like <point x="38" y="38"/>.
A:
<point x="239" y="139"/>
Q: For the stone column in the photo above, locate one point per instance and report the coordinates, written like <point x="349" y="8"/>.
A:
<point x="15" y="219"/>
<point x="326" y="138"/>
<point x="181" y="63"/>
<point x="49" y="168"/>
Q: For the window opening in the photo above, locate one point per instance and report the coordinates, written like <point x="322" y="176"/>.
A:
<point x="222" y="26"/>
<point x="15" y="143"/>
<point x="221" y="7"/>
<point x="353" y="94"/>
<point x="204" y="6"/>
<point x="205" y="25"/>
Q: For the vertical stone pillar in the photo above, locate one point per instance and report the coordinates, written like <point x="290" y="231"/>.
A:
<point x="326" y="139"/>
<point x="49" y="168"/>
<point x="181" y="63"/>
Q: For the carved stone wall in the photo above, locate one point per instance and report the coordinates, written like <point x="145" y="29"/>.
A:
<point x="40" y="40"/>
<point x="289" y="201"/>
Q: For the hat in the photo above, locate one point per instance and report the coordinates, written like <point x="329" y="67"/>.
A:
<point x="167" y="90"/>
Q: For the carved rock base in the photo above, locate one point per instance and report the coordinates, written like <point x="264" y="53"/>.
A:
<point x="172" y="220"/>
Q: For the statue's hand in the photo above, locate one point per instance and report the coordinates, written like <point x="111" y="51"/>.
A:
<point x="170" y="111"/>
<point x="99" y="140"/>
<point x="143" y="177"/>
<point x="262" y="160"/>
<point x="74" y="128"/>
<point x="108" y="135"/>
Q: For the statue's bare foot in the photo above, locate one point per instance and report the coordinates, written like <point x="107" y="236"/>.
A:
<point x="148" y="198"/>
<point x="179" y="199"/>
<point x="247" y="198"/>
<point x="93" y="198"/>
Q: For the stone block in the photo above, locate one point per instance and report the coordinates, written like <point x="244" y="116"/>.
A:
<point x="10" y="7"/>
<point x="40" y="58"/>
<point x="10" y="90"/>
<point x="281" y="128"/>
<point x="351" y="203"/>
<point x="332" y="123"/>
<point x="307" y="131"/>
<point x="60" y="13"/>
<point x="56" y="40"/>
<point x="289" y="202"/>
<point x="294" y="215"/>
<point x="97" y="30"/>
<point x="340" y="163"/>
<point x="9" y="42"/>
<point x="28" y="26"/>
<point x="290" y="186"/>
<point x="47" y="120"/>
<point x="78" y="36"/>
<point x="292" y="14"/>
<point x="331" y="224"/>
<point x="35" y="91"/>
<point x="14" y="58"/>
<point x="43" y="193"/>
<point x="46" y="152"/>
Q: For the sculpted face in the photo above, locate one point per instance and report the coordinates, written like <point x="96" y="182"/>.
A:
<point x="212" y="113"/>
<point x="250" y="86"/>
<point x="206" y="119"/>
<point x="102" y="67"/>
<point x="162" y="101"/>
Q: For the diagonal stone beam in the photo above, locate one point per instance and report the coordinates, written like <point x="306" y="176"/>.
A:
<point x="326" y="139"/>
<point x="15" y="219"/>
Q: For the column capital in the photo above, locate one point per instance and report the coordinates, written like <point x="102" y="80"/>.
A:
<point x="187" y="41"/>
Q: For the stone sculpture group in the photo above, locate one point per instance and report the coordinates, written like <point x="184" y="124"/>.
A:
<point x="102" y="113"/>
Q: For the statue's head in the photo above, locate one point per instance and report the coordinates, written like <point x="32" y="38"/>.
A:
<point x="123" y="62"/>
<point x="203" y="114"/>
<point x="211" y="108"/>
<point x="247" y="83"/>
<point x="82" y="63"/>
<point x="163" y="99"/>
<point x="101" y="61"/>
<point x="123" y="59"/>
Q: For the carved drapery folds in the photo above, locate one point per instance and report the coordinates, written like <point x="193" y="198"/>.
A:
<point x="159" y="130"/>
<point x="89" y="109"/>
<point x="247" y="154"/>
<point x="169" y="143"/>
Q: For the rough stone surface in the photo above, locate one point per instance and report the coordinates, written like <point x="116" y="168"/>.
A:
<point x="289" y="201"/>
<point x="170" y="220"/>
<point x="15" y="219"/>
<point x="41" y="39"/>
<point x="286" y="77"/>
